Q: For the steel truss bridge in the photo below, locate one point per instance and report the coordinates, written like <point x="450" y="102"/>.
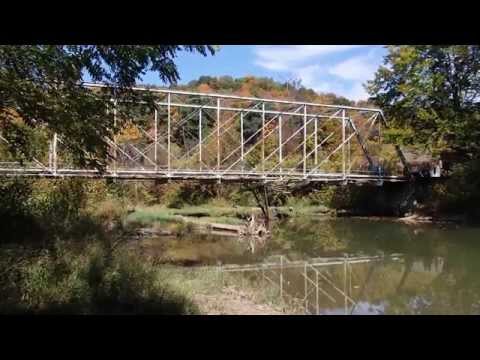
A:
<point x="206" y="136"/>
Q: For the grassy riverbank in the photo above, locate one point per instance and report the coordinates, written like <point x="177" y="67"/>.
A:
<point x="216" y="293"/>
<point x="96" y="278"/>
<point x="68" y="247"/>
<point x="162" y="216"/>
<point x="65" y="248"/>
<point x="85" y="278"/>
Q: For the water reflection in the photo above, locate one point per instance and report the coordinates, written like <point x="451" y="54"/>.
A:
<point x="361" y="308"/>
<point x="439" y="272"/>
<point x="378" y="287"/>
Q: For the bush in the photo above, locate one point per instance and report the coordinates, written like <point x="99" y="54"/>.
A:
<point x="179" y="194"/>
<point x="92" y="279"/>
<point x="325" y="196"/>
<point x="18" y="221"/>
<point x="459" y="194"/>
<point x="40" y="211"/>
<point x="110" y="211"/>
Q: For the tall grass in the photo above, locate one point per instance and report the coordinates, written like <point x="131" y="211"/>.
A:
<point x="92" y="278"/>
<point x="195" y="214"/>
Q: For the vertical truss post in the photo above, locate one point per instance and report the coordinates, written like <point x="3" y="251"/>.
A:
<point x="350" y="280"/>
<point x="280" y="155"/>
<point x="50" y="155"/>
<point x="155" y="126"/>
<point x="343" y="146"/>
<point x="200" y="138"/>
<point x="242" y="140"/>
<point x="345" y="284"/>
<point x="349" y="154"/>
<point x="316" y="295"/>
<point x="115" y="138"/>
<point x="168" y="133"/>
<point x="54" y="153"/>
<point x="263" y="139"/>
<point x="218" y="133"/>
<point x="281" y="276"/>
<point x="380" y="133"/>
<point x="316" y="141"/>
<point x="380" y="142"/>
<point x="306" y="286"/>
<point x="304" y="140"/>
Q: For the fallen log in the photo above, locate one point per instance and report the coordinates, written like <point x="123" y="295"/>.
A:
<point x="224" y="227"/>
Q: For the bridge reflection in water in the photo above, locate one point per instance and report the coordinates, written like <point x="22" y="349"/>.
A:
<point x="345" y="285"/>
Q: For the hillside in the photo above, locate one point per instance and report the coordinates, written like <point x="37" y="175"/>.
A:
<point x="264" y="88"/>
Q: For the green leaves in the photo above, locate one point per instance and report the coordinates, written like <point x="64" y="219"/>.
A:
<point x="41" y="86"/>
<point x="433" y="90"/>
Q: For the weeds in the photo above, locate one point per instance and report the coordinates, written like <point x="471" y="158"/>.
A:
<point x="95" y="279"/>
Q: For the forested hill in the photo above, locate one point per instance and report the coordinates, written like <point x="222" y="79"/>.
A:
<point x="265" y="88"/>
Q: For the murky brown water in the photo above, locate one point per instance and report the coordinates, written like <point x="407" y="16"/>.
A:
<point x="439" y="272"/>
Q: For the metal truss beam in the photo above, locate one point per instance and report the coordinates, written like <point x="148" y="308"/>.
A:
<point x="247" y="139"/>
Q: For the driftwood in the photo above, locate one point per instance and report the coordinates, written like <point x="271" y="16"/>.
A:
<point x="257" y="234"/>
<point x="151" y="231"/>
<point x="224" y="227"/>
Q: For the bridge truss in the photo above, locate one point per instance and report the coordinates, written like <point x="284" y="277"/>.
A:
<point x="204" y="136"/>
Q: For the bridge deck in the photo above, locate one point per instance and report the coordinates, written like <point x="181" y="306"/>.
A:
<point x="230" y="176"/>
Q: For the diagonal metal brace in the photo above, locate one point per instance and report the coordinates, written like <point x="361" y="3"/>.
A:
<point x="361" y="141"/>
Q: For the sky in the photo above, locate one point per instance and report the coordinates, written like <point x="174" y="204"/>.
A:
<point x="341" y="69"/>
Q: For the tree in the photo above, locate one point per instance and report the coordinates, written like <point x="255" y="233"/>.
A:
<point x="434" y="91"/>
<point x="41" y="88"/>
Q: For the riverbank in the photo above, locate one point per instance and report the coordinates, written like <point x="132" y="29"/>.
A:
<point x="169" y="274"/>
<point x="216" y="293"/>
<point x="162" y="220"/>
<point x="231" y="220"/>
<point x="96" y="278"/>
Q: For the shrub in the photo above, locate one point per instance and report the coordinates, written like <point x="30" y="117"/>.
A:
<point x="93" y="278"/>
<point x="177" y="195"/>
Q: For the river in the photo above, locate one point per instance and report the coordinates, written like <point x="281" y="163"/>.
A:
<point x="438" y="271"/>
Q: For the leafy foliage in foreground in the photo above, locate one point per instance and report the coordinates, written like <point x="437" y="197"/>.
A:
<point x="41" y="87"/>
<point x="94" y="278"/>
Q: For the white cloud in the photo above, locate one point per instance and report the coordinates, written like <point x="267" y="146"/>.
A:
<point x="272" y="65"/>
<point x="281" y="57"/>
<point x="356" y="92"/>
<point x="319" y="66"/>
<point x="308" y="74"/>
<point x="352" y="91"/>
<point x="360" y="68"/>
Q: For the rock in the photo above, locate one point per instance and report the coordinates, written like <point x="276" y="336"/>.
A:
<point x="341" y="213"/>
<point x="323" y="209"/>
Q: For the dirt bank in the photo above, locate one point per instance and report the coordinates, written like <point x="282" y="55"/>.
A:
<point x="227" y="294"/>
<point x="231" y="301"/>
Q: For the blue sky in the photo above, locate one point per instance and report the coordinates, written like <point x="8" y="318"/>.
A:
<point x="341" y="69"/>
